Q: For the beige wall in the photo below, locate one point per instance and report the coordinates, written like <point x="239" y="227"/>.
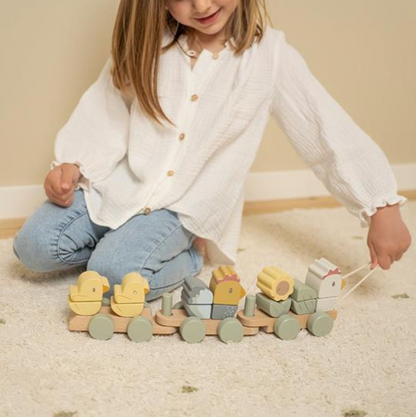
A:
<point x="363" y="52"/>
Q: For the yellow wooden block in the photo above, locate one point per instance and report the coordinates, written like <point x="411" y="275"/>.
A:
<point x="275" y="283"/>
<point x="84" y="308"/>
<point x="225" y="285"/>
<point x="126" y="310"/>
<point x="132" y="289"/>
<point x="90" y="287"/>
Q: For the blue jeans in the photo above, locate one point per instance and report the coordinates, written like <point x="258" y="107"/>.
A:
<point x="156" y="245"/>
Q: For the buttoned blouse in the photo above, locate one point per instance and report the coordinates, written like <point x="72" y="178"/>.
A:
<point x="130" y="165"/>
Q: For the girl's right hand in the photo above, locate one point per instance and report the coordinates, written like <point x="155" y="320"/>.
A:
<point x="60" y="184"/>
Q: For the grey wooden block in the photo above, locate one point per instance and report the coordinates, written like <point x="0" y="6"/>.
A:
<point x="271" y="307"/>
<point x="303" y="292"/>
<point x="304" y="307"/>
<point x="203" y="311"/>
<point x="221" y="311"/>
<point x="195" y="291"/>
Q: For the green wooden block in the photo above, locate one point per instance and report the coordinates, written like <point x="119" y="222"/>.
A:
<point x="271" y="307"/>
<point x="303" y="307"/>
<point x="303" y="292"/>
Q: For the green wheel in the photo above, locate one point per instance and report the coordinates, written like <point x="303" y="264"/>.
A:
<point x="286" y="327"/>
<point x="192" y="330"/>
<point x="320" y="324"/>
<point x="140" y="329"/>
<point x="101" y="326"/>
<point x="230" y="330"/>
<point x="178" y="306"/>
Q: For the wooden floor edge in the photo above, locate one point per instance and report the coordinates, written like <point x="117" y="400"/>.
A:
<point x="9" y="227"/>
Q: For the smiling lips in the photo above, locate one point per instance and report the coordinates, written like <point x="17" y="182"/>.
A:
<point x="209" y="18"/>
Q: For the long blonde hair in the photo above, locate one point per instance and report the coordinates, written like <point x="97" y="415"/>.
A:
<point x="137" y="44"/>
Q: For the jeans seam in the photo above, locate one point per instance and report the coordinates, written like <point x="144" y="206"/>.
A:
<point x="59" y="239"/>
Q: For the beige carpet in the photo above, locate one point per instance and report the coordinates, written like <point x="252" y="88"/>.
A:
<point x="365" y="366"/>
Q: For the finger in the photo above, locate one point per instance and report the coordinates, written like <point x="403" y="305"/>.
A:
<point x="384" y="260"/>
<point x="373" y="255"/>
<point x="57" y="196"/>
<point x="67" y="178"/>
<point x="399" y="256"/>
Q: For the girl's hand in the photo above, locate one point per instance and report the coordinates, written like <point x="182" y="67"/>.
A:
<point x="60" y="184"/>
<point x="388" y="237"/>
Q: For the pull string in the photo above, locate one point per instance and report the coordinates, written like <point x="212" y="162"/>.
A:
<point x="358" y="269"/>
<point x="358" y="284"/>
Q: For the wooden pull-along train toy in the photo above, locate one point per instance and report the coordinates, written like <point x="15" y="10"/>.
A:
<point x="284" y="306"/>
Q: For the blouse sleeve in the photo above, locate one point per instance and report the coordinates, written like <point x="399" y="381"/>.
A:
<point x="352" y="167"/>
<point x="96" y="135"/>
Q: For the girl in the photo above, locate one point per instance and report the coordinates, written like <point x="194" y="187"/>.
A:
<point x="152" y="162"/>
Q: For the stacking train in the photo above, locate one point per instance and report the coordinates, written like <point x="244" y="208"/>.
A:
<point x="283" y="306"/>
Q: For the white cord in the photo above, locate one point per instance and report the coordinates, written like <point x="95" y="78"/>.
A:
<point x="358" y="269"/>
<point x="356" y="285"/>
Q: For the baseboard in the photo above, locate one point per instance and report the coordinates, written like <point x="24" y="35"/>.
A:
<point x="262" y="189"/>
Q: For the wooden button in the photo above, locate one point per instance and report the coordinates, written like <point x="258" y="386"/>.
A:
<point x="182" y="136"/>
<point x="147" y="210"/>
<point x="215" y="56"/>
<point x="170" y="173"/>
<point x="194" y="97"/>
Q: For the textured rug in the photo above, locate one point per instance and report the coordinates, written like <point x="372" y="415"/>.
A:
<point x="365" y="366"/>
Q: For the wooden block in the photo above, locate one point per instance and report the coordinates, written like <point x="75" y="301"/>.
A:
<point x="326" y="304"/>
<point x="203" y="311"/>
<point x="275" y="283"/>
<point x="222" y="311"/>
<point x="302" y="292"/>
<point x="195" y="291"/>
<point x="226" y="287"/>
<point x="271" y="307"/>
<point x="325" y="278"/>
<point x="132" y="289"/>
<point x="79" y="323"/>
<point x="90" y="287"/>
<point x="304" y="307"/>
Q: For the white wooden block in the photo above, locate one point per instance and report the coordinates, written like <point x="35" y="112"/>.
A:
<point x="326" y="304"/>
<point x="325" y="278"/>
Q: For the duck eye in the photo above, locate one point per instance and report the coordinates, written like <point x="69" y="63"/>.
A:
<point x="230" y="290"/>
<point x="93" y="289"/>
<point x="333" y="283"/>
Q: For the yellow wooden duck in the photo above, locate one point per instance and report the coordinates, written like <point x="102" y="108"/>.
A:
<point x="129" y="297"/>
<point x="86" y="297"/>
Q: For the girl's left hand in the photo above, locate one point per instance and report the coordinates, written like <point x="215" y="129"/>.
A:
<point x="388" y="237"/>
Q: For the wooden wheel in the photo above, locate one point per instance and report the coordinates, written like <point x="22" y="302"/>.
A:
<point x="140" y="329"/>
<point x="192" y="330"/>
<point x="101" y="326"/>
<point x="286" y="327"/>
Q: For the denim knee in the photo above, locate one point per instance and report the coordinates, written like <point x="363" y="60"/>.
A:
<point x="34" y="250"/>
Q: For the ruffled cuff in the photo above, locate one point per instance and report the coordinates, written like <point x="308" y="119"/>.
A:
<point x="366" y="213"/>
<point x="84" y="182"/>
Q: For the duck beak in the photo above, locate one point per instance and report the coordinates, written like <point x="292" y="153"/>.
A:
<point x="343" y="283"/>
<point x="106" y="284"/>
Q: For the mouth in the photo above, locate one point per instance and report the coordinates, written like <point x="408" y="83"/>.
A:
<point x="211" y="18"/>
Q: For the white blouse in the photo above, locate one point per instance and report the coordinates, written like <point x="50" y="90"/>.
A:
<point x="198" y="169"/>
